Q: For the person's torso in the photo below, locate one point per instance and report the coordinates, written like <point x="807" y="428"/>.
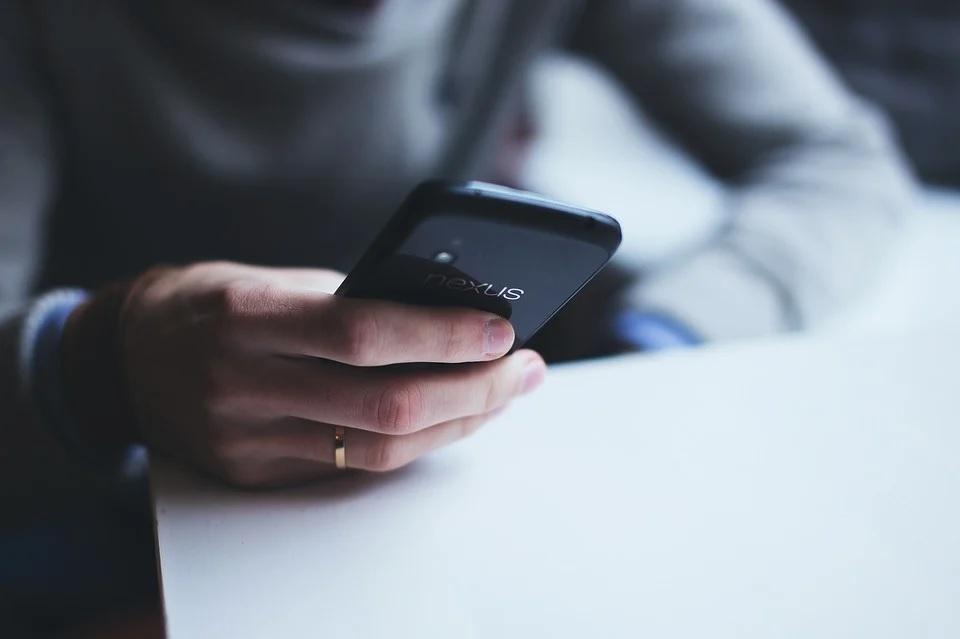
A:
<point x="266" y="132"/>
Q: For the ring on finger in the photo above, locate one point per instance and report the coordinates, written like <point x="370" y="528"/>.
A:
<point x="339" y="448"/>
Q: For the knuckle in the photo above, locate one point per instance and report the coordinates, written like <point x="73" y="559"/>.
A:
<point x="398" y="408"/>
<point x="494" y="392"/>
<point x="384" y="455"/>
<point x="240" y="298"/>
<point x="458" y="338"/>
<point x="227" y="301"/>
<point x="357" y="337"/>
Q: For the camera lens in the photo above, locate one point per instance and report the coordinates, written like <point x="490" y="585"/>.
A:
<point x="444" y="257"/>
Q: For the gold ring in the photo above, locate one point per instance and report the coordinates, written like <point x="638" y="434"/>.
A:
<point x="339" y="450"/>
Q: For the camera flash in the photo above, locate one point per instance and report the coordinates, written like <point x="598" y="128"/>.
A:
<point x="443" y="257"/>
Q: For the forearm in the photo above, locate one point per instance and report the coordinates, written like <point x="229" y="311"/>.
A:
<point x="64" y="420"/>
<point x="807" y="234"/>
<point x="814" y="184"/>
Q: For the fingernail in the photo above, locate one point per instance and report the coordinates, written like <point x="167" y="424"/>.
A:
<point x="498" y="337"/>
<point x="533" y="375"/>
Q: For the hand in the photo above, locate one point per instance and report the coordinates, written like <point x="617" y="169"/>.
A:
<point x="246" y="371"/>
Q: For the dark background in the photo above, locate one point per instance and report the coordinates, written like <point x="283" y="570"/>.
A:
<point x="905" y="56"/>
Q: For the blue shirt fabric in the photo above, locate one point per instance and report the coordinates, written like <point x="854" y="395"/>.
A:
<point x="40" y="352"/>
<point x="70" y="565"/>
<point x="652" y="331"/>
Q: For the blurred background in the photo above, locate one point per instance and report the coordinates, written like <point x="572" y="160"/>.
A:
<point x="901" y="55"/>
<point x="904" y="55"/>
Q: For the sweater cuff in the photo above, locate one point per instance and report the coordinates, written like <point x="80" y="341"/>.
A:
<point x="45" y="386"/>
<point x="40" y="372"/>
<point x="716" y="293"/>
<point x="648" y="331"/>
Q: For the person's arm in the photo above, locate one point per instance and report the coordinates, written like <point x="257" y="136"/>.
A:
<point x="257" y="376"/>
<point x="815" y="185"/>
<point x="31" y="459"/>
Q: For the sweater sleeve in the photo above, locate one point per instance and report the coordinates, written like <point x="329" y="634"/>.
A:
<point x="815" y="188"/>
<point x="32" y="461"/>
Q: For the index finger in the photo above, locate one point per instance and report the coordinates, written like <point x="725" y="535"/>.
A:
<point x="363" y="332"/>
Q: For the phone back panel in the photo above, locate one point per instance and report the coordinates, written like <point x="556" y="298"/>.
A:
<point x="520" y="260"/>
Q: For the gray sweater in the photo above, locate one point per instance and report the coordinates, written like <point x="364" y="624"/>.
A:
<point x="134" y="133"/>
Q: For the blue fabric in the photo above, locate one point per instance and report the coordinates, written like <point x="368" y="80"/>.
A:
<point x="43" y="347"/>
<point x="77" y="563"/>
<point x="67" y="565"/>
<point x="650" y="331"/>
<point x="43" y="343"/>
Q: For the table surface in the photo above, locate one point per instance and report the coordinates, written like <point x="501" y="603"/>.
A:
<point x="794" y="487"/>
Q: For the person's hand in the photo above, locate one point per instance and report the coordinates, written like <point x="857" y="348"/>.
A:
<point x="245" y="372"/>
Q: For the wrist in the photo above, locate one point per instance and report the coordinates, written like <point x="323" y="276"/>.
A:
<point x="94" y="387"/>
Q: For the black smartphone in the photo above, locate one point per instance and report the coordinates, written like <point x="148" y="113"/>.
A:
<point x="487" y="247"/>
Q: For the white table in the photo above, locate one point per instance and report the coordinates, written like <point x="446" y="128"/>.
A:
<point x="790" y="488"/>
